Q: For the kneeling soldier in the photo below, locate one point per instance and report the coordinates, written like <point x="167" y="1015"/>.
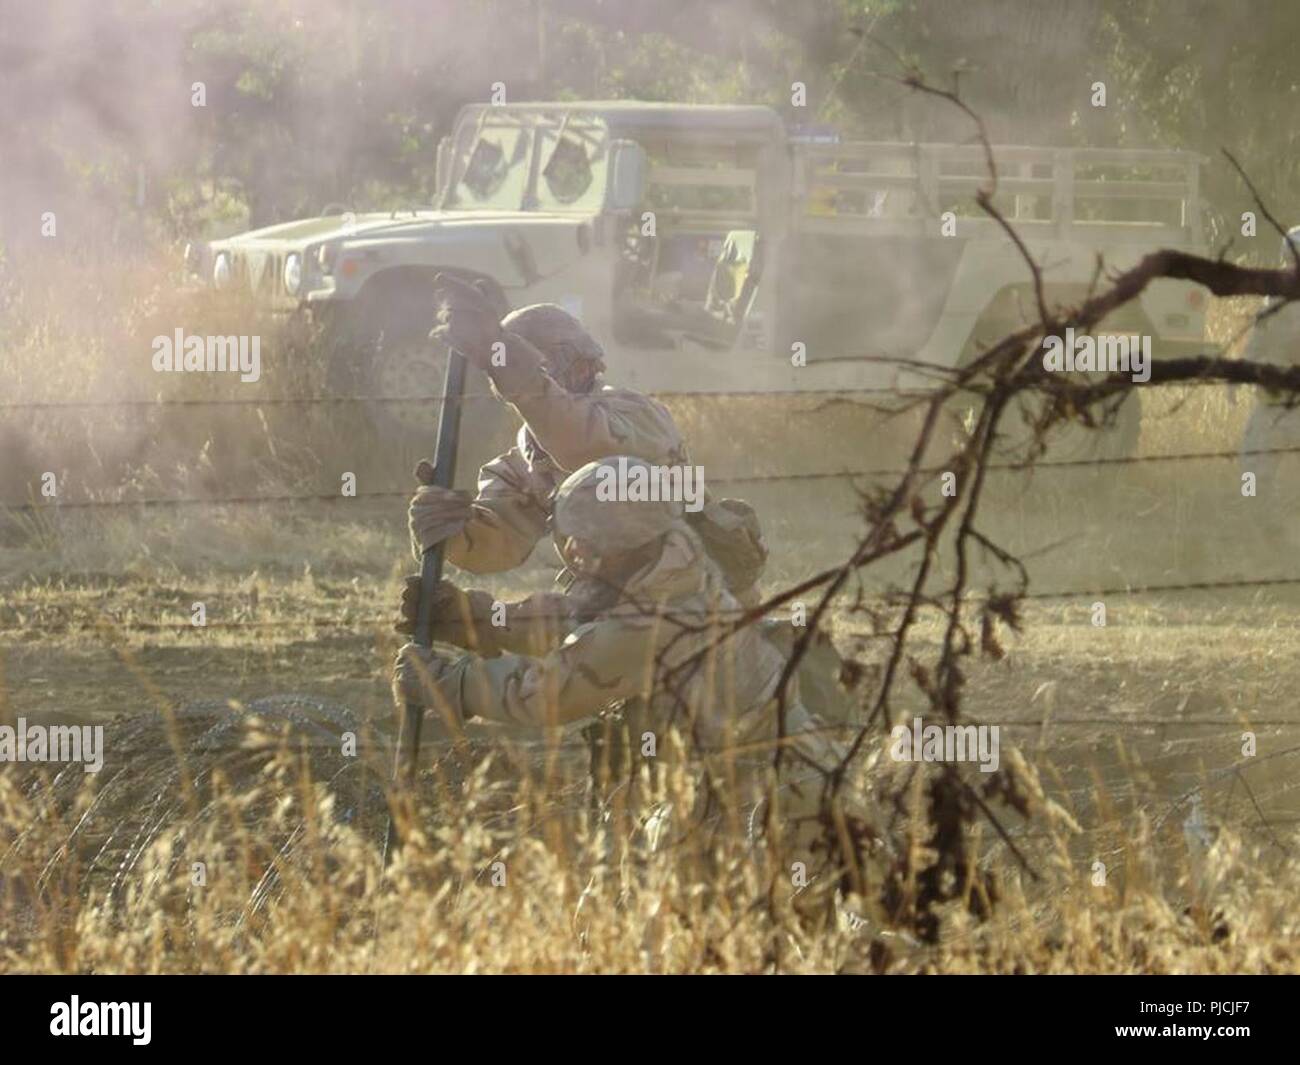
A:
<point x="643" y="624"/>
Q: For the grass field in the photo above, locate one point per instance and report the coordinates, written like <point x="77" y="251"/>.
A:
<point x="1132" y="734"/>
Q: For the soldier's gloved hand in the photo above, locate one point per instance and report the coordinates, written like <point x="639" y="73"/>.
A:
<point x="467" y="319"/>
<point x="461" y="618"/>
<point x="416" y="674"/>
<point x="435" y="514"/>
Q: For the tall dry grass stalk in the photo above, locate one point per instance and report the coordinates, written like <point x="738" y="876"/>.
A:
<point x="508" y="869"/>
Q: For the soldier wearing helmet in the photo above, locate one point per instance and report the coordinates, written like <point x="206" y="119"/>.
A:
<point x="545" y="365"/>
<point x="642" y="625"/>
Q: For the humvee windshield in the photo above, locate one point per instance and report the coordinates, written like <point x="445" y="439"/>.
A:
<point x="529" y="160"/>
<point x="574" y="166"/>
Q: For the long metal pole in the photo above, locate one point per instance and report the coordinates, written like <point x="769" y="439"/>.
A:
<point x="444" y="476"/>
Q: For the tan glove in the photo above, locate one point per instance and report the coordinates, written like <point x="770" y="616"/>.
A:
<point x="734" y="540"/>
<point x="435" y="514"/>
<point x="467" y="320"/>
<point x="416" y="675"/>
<point x="460" y="618"/>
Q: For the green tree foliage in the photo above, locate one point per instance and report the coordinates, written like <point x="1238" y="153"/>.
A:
<point x="1212" y="74"/>
<point x="316" y="102"/>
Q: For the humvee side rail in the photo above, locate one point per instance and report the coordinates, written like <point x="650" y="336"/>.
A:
<point x="955" y="281"/>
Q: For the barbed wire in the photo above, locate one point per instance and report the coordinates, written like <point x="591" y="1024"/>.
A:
<point x="1183" y="586"/>
<point x="135" y="403"/>
<point x="296" y="401"/>
<point x="816" y="475"/>
<point x="1048" y="721"/>
<point x="1146" y="722"/>
<point x="719" y="614"/>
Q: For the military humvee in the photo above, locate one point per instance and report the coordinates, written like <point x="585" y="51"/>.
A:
<point x="707" y="246"/>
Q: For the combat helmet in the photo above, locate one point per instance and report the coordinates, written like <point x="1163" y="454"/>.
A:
<point x="558" y="335"/>
<point x="605" y="506"/>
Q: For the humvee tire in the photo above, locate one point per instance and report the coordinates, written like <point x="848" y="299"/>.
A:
<point x="382" y="351"/>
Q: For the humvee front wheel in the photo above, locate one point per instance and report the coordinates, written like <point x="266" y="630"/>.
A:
<point x="388" y="358"/>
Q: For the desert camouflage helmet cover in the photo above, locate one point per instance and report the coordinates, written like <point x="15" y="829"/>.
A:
<point x="557" y="334"/>
<point x="592" y="506"/>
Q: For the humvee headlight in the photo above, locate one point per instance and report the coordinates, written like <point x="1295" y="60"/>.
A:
<point x="221" y="270"/>
<point x="293" y="273"/>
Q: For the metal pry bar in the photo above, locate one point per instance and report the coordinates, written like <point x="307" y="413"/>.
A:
<point x="444" y="474"/>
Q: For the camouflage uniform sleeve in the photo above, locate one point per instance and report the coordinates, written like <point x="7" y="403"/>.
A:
<point x="508" y="519"/>
<point x="597" y="664"/>
<point x="577" y="429"/>
<point x="487" y="626"/>
<point x="536" y="625"/>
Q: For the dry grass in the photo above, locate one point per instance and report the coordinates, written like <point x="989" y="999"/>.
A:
<point x="509" y="873"/>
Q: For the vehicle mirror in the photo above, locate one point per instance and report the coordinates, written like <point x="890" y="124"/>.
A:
<point x="443" y="172"/>
<point x="627" y="176"/>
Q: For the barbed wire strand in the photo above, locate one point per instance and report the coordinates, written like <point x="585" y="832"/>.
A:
<point x="387" y="622"/>
<point x="135" y="403"/>
<point x="773" y="478"/>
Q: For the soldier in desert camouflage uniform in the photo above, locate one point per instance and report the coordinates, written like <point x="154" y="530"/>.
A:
<point x="547" y="367"/>
<point x="646" y="599"/>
